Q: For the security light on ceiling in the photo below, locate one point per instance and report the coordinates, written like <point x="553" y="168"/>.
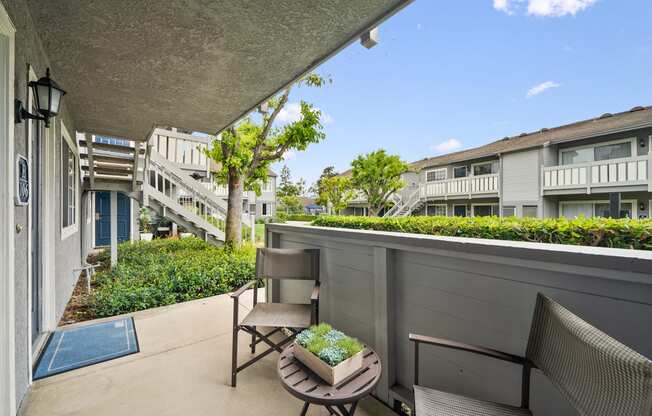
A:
<point x="370" y="39"/>
<point x="47" y="95"/>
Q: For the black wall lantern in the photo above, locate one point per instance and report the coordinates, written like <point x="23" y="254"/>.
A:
<point x="48" y="100"/>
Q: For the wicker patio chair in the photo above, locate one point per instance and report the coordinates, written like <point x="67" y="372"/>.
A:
<point x="598" y="375"/>
<point x="273" y="263"/>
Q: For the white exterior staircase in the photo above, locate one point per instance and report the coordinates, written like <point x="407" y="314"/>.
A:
<point x="405" y="207"/>
<point x="157" y="184"/>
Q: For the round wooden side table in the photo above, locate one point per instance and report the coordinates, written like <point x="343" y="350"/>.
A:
<point x="307" y="386"/>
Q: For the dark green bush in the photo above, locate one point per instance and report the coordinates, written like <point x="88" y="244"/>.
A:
<point x="167" y="271"/>
<point x="601" y="232"/>
<point x="300" y="217"/>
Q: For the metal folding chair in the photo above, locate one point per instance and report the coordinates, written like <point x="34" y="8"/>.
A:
<point x="272" y="263"/>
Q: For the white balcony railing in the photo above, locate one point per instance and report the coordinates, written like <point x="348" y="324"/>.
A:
<point x="614" y="172"/>
<point x="471" y="185"/>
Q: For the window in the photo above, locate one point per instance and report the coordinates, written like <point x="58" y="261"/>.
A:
<point x="486" y="168"/>
<point x="595" y="153"/>
<point x="594" y="209"/>
<point x="613" y="151"/>
<point x="111" y="140"/>
<point x="435" y="175"/>
<point x="603" y="210"/>
<point x="459" y="172"/>
<point x="436" y="210"/>
<point x="267" y="185"/>
<point x="69" y="178"/>
<point x="264" y="208"/>
<point x="459" y="210"/>
<point x="485" y="210"/>
<point x="509" y="211"/>
<point x="530" y="211"/>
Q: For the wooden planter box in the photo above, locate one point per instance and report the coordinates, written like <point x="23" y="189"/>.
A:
<point x="332" y="375"/>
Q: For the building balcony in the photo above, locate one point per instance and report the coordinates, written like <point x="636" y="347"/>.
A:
<point x="626" y="174"/>
<point x="468" y="187"/>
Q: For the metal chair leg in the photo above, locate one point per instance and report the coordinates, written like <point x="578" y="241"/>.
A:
<point x="253" y="341"/>
<point x="234" y="347"/>
<point x="305" y="409"/>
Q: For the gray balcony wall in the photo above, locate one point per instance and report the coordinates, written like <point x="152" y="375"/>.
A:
<point x="380" y="287"/>
<point x="29" y="50"/>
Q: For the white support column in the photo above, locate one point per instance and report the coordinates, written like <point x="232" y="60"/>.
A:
<point x="114" y="228"/>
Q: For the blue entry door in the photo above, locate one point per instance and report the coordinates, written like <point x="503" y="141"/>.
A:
<point x="103" y="218"/>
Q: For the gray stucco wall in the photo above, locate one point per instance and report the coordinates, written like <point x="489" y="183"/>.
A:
<point x="382" y="286"/>
<point x="29" y="50"/>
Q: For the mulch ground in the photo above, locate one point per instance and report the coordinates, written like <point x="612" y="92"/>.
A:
<point x="77" y="309"/>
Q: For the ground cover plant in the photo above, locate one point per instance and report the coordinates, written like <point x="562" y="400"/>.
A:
<point x="600" y="232"/>
<point x="167" y="271"/>
<point x="330" y="345"/>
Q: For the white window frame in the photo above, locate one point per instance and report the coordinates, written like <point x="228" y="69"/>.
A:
<point x="530" y="205"/>
<point x="631" y="140"/>
<point x="466" y="171"/>
<point x="473" y="165"/>
<point x="445" y="170"/>
<point x="634" y="203"/>
<point x="437" y="205"/>
<point x="513" y="207"/>
<point x="72" y="228"/>
<point x="484" y="204"/>
<point x="466" y="208"/>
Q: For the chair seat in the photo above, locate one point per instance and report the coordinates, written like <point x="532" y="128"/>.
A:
<point x="430" y="402"/>
<point x="288" y="315"/>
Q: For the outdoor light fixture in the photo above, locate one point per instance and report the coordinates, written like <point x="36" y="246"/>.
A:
<point x="48" y="100"/>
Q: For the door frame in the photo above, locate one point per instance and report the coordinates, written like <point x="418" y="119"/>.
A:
<point x="7" y="230"/>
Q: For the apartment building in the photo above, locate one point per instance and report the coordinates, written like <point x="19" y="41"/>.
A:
<point x="570" y="170"/>
<point x="187" y="152"/>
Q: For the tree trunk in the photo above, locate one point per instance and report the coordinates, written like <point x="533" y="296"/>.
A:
<point x="371" y="211"/>
<point x="234" y="211"/>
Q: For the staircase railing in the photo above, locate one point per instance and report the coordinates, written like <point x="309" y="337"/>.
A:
<point x="211" y="207"/>
<point x="404" y="207"/>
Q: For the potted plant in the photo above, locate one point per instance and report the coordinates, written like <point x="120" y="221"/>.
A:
<point x="329" y="353"/>
<point x="145" y="224"/>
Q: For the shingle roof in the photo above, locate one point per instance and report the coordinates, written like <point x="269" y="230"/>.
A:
<point x="637" y="117"/>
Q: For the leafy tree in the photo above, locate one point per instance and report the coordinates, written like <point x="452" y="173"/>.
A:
<point x="290" y="204"/>
<point x="377" y="175"/>
<point x="336" y="190"/>
<point x="245" y="151"/>
<point x="317" y="188"/>
<point x="288" y="188"/>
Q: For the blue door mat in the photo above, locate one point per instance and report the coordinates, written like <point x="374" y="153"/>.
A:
<point x="82" y="346"/>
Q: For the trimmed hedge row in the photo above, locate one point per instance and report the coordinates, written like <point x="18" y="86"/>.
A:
<point x="600" y="232"/>
<point x="166" y="271"/>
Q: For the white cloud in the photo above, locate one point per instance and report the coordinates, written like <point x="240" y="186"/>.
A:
<point x="557" y="8"/>
<point x="503" y="6"/>
<point x="292" y="112"/>
<point x="544" y="8"/>
<point x="446" y="146"/>
<point x="539" y="88"/>
<point x="290" y="154"/>
<point x="418" y="26"/>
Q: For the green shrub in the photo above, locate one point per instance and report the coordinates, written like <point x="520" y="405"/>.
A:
<point x="601" y="232"/>
<point x="300" y="217"/>
<point x="167" y="271"/>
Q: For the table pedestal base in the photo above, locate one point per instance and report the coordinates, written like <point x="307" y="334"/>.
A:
<point x="338" y="410"/>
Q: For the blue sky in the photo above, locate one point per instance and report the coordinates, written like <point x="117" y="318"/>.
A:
<point x="449" y="75"/>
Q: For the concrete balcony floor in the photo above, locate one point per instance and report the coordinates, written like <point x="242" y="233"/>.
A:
<point x="183" y="368"/>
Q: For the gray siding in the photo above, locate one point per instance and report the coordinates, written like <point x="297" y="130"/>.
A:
<point x="29" y="50"/>
<point x="476" y="291"/>
<point x="521" y="176"/>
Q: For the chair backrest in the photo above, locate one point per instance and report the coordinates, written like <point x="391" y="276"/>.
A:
<point x="595" y="373"/>
<point x="279" y="263"/>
